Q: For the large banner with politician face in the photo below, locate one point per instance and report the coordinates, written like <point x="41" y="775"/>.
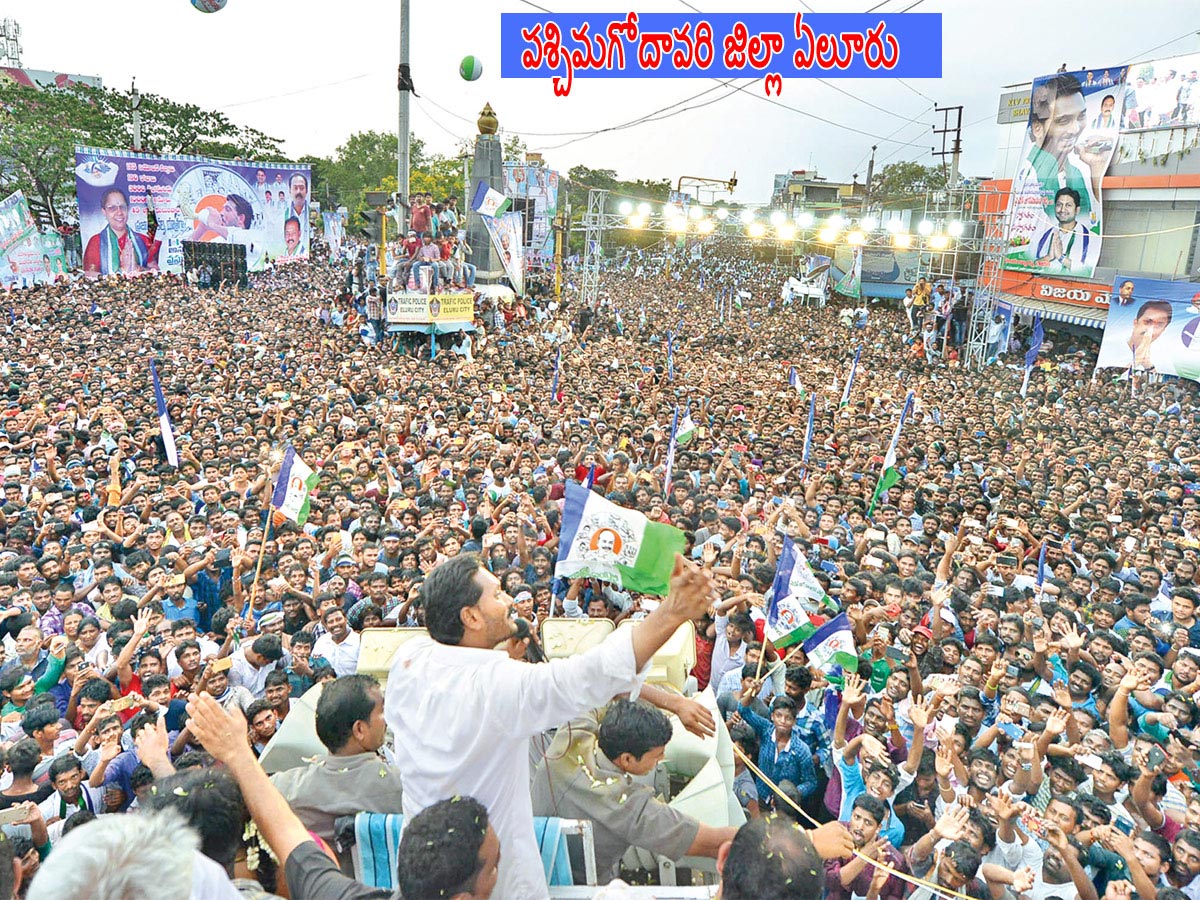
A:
<point x="1153" y="327"/>
<point x="539" y="186"/>
<point x="506" y="238"/>
<point x="27" y="257"/>
<point x="1055" y="216"/>
<point x="264" y="206"/>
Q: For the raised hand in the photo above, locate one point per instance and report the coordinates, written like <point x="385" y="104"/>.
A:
<point x="918" y="714"/>
<point x="953" y="823"/>
<point x="944" y="760"/>
<point x="221" y="732"/>
<point x="853" y="689"/>
<point x="696" y="718"/>
<point x="1023" y="880"/>
<point x="692" y="589"/>
<point x="1056" y="722"/>
<point x="1072" y="640"/>
<point x="832" y="840"/>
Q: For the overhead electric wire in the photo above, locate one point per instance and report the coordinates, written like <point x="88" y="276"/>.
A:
<point x="1137" y="57"/>
<point x="315" y="87"/>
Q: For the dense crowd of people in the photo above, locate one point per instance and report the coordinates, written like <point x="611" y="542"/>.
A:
<point x="1023" y="601"/>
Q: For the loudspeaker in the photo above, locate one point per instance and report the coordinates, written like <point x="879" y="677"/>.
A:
<point x="228" y="261"/>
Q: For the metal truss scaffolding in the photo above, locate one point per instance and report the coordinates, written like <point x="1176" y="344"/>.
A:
<point x="593" y="236"/>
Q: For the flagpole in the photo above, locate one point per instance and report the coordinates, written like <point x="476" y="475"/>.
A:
<point x="262" y="550"/>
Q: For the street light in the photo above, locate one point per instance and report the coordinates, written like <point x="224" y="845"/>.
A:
<point x="756" y="229"/>
<point x="678" y="224"/>
<point x="786" y="231"/>
<point x="856" y="238"/>
<point x="643" y="209"/>
<point x="925" y="228"/>
<point x="901" y="240"/>
<point x="747" y="216"/>
<point x="705" y="226"/>
<point x="955" y="228"/>
<point x="638" y="222"/>
<point x="722" y="213"/>
<point x="804" y="219"/>
<point x="625" y="208"/>
<point x="893" y="226"/>
<point x="870" y="223"/>
<point x="827" y="235"/>
<point x="939" y="242"/>
<point x="835" y="221"/>
<point x="695" y="213"/>
<point x="777" y="218"/>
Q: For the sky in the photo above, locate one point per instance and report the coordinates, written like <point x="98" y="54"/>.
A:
<point x="312" y="72"/>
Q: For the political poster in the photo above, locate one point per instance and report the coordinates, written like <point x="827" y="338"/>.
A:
<point x="1164" y="93"/>
<point x="136" y="210"/>
<point x="430" y="309"/>
<point x="26" y="256"/>
<point x="1055" y="215"/>
<point x="537" y="186"/>
<point x="882" y="265"/>
<point x="506" y="232"/>
<point x="850" y="284"/>
<point x="1153" y="326"/>
<point x="335" y="230"/>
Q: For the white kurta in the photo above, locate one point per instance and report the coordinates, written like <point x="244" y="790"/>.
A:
<point x="462" y="719"/>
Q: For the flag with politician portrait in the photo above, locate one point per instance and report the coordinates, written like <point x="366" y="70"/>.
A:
<point x="1055" y="214"/>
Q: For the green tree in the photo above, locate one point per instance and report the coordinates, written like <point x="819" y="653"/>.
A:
<point x="39" y="130"/>
<point x="38" y="134"/>
<point x="906" y="180"/>
<point x="584" y="178"/>
<point x="441" y="176"/>
<point x="514" y="149"/>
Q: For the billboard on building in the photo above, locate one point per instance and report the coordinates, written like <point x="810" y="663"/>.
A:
<point x="539" y="187"/>
<point x="1153" y="326"/>
<point x="263" y="206"/>
<point x="27" y="257"/>
<point x="1164" y="93"/>
<point x="1055" y="215"/>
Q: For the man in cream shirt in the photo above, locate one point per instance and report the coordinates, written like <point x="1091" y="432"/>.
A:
<point x="463" y="712"/>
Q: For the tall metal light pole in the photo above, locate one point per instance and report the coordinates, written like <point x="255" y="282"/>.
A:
<point x="404" y="84"/>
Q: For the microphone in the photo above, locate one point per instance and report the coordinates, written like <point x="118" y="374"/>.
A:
<point x="533" y="652"/>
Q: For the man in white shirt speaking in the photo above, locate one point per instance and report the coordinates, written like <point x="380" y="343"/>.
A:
<point x="463" y="712"/>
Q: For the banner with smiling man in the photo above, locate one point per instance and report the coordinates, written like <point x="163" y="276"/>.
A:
<point x="1055" y="216"/>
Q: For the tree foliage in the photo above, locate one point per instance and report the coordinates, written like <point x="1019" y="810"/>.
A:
<point x="39" y="130"/>
<point x="905" y="180"/>
<point x="368" y="161"/>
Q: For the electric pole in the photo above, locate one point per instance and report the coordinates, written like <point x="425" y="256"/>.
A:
<point x="870" y="175"/>
<point x="404" y="84"/>
<point x="955" y="150"/>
